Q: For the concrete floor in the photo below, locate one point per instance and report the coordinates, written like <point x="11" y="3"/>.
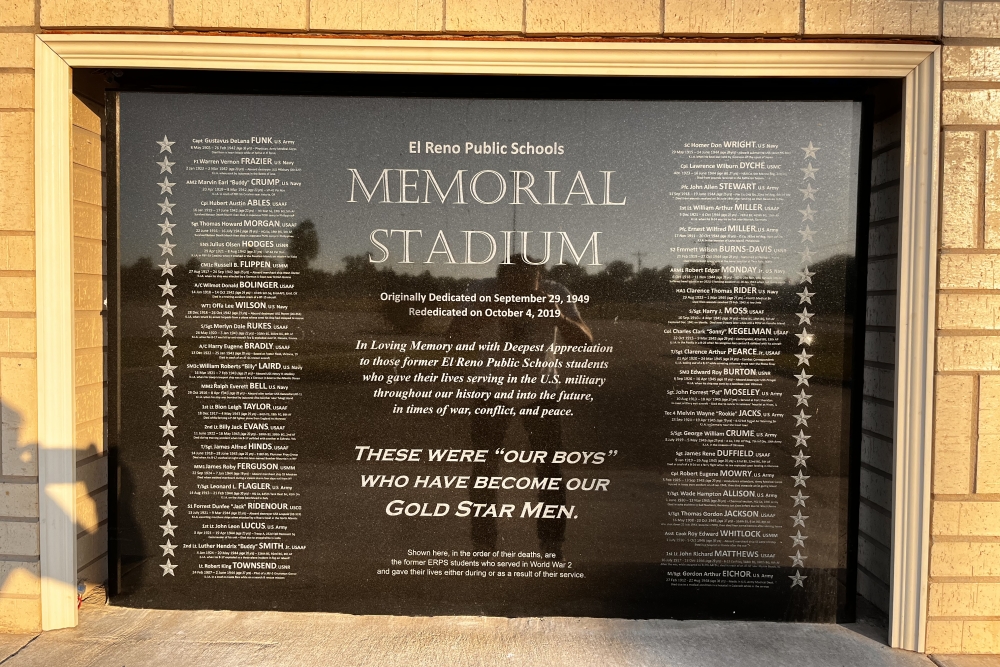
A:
<point x="119" y="637"/>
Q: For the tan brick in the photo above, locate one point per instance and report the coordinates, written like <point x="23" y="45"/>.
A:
<point x="954" y="412"/>
<point x="965" y="559"/>
<point x="968" y="353"/>
<point x="86" y="148"/>
<point x="969" y="311"/>
<point x="485" y="16"/>
<point x="87" y="115"/>
<point x="970" y="107"/>
<point x="89" y="330"/>
<point x="20" y="614"/>
<point x="872" y="17"/>
<point x="91" y="510"/>
<point x="90" y="438"/>
<point x="960" y="191"/>
<point x="18" y="578"/>
<point x="377" y="15"/>
<point x="88" y="256"/>
<point x="89" y="292"/>
<point x="17" y="334"/>
<point x="971" y="63"/>
<point x="90" y="402"/>
<point x="88" y="220"/>
<point x="17" y="90"/>
<point x="19" y="538"/>
<point x="19" y="402"/>
<point x="988" y="453"/>
<point x="17" y="294"/>
<point x="19" y="500"/>
<point x="969" y="272"/>
<point x="975" y="519"/>
<point x="971" y="19"/>
<point x="946" y="518"/>
<point x="964" y="599"/>
<point x="991" y="236"/>
<point x="17" y="13"/>
<point x="633" y="17"/>
<point x="106" y="13"/>
<point x="17" y="253"/>
<point x="87" y="185"/>
<point x="269" y="14"/>
<point x="980" y="636"/>
<point x="730" y="17"/>
<point x="17" y="186"/>
<point x="944" y="636"/>
<point x="89" y="366"/>
<point x="17" y="49"/>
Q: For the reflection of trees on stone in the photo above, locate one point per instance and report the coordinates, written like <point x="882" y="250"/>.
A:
<point x="303" y="246"/>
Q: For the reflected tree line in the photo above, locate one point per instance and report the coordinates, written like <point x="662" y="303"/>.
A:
<point x="360" y="282"/>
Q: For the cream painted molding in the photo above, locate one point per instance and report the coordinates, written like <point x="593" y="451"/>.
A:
<point x="917" y="64"/>
<point x="56" y="354"/>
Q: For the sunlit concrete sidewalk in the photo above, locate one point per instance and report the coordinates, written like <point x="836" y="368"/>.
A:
<point x="113" y="636"/>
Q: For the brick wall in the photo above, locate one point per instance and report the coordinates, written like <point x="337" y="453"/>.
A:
<point x="965" y="569"/>
<point x="875" y="510"/>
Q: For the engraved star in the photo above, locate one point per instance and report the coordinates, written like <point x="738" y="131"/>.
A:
<point x="799" y="499"/>
<point x="167" y="308"/>
<point x="168" y="389"/>
<point x="166" y="208"/>
<point x="800" y="439"/>
<point x="169" y="289"/>
<point x="803" y="378"/>
<point x="798" y="539"/>
<point x="169" y="568"/>
<point x="798" y="519"/>
<point x="166" y="165"/>
<point x="168" y="549"/>
<point x="800" y="459"/>
<point x="802" y="398"/>
<point x="810" y="151"/>
<point x="168" y="409"/>
<point x="167" y="248"/>
<point x="165" y="145"/>
<point x="807" y="235"/>
<point x="805" y="317"/>
<point x="168" y="429"/>
<point x="808" y="213"/>
<point x="797" y="578"/>
<point x="804" y="358"/>
<point x="168" y="349"/>
<point x="168" y="528"/>
<point x="168" y="489"/>
<point x="806" y="338"/>
<point x="168" y="449"/>
<point x="805" y="276"/>
<point x="805" y="296"/>
<point x="168" y="329"/>
<point x="167" y="187"/>
<point x="166" y="227"/>
<point x="808" y="192"/>
<point x="168" y="470"/>
<point x="796" y="559"/>
<point x="169" y="509"/>
<point x="166" y="268"/>
<point x="810" y="172"/>
<point x="806" y="255"/>
<point x="800" y="480"/>
<point x="801" y="419"/>
<point x="168" y="369"/>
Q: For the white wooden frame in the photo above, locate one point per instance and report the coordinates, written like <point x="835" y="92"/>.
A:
<point x="919" y="65"/>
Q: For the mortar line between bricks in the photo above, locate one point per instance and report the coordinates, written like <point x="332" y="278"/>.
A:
<point x="981" y="204"/>
<point x="970" y="579"/>
<point x="874" y="541"/>
<point x="974" y="453"/>
<point x="968" y="333"/>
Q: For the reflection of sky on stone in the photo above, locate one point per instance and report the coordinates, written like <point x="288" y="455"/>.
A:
<point x="633" y="139"/>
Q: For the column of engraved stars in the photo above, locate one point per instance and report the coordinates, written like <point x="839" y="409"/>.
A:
<point x="167" y="354"/>
<point x="805" y="339"/>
